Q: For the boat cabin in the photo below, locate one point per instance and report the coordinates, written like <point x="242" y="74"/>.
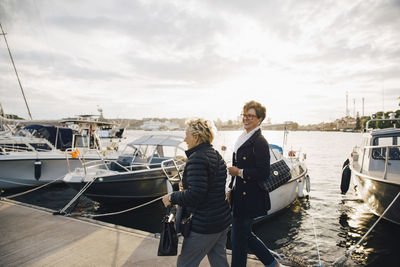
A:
<point x="60" y="137"/>
<point x="379" y="153"/>
<point x="151" y="150"/>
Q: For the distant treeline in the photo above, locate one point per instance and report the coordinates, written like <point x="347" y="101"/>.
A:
<point x="362" y="121"/>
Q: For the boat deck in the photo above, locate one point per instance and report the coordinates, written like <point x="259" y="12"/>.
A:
<point x="32" y="236"/>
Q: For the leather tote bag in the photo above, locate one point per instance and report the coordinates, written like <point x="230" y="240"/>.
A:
<point x="168" y="245"/>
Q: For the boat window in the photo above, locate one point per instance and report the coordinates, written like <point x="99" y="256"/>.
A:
<point x="129" y="150"/>
<point x="172" y="151"/>
<point x="144" y="153"/>
<point x="380" y="153"/>
<point x="150" y="151"/>
<point x="14" y="147"/>
<point x="159" y="152"/>
<point x="81" y="141"/>
<point x="40" y="146"/>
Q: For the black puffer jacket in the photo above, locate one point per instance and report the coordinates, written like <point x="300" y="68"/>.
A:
<point x="212" y="214"/>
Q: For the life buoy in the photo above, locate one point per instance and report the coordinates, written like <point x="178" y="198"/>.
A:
<point x="346" y="175"/>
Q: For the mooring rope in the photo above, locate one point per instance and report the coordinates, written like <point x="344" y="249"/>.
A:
<point x="122" y="211"/>
<point x="83" y="189"/>
<point x="316" y="239"/>
<point x="342" y="259"/>
<point x="30" y="190"/>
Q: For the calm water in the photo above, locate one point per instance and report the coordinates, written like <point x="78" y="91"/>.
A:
<point x="338" y="221"/>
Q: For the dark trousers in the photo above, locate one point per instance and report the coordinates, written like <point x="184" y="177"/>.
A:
<point x="242" y="239"/>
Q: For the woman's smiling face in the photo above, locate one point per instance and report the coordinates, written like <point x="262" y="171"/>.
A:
<point x="250" y="119"/>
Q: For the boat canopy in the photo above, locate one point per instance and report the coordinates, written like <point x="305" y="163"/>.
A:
<point x="60" y="137"/>
<point x="158" y="140"/>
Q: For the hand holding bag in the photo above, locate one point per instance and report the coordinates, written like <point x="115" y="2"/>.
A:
<point x="186" y="225"/>
<point x="168" y="245"/>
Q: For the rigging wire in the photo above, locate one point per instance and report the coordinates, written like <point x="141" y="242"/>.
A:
<point x="15" y="69"/>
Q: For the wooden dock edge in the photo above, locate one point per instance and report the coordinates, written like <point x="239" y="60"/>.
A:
<point x="135" y="233"/>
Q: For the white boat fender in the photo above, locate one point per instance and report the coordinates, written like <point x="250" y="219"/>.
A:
<point x="38" y="169"/>
<point x="308" y="184"/>
<point x="346" y="175"/>
<point x="170" y="189"/>
<point x="300" y="187"/>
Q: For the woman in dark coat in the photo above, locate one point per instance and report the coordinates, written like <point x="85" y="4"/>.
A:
<point x="203" y="195"/>
<point x="249" y="197"/>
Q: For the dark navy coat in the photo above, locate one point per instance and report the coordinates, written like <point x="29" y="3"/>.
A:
<point x="250" y="197"/>
<point x="204" y="180"/>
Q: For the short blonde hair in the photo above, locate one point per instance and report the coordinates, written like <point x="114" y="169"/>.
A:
<point x="201" y="128"/>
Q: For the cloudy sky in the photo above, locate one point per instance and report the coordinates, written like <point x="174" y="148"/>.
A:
<point x="204" y="58"/>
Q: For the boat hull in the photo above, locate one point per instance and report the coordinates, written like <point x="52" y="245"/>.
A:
<point x="378" y="194"/>
<point x="20" y="171"/>
<point x="126" y="187"/>
<point x="284" y="195"/>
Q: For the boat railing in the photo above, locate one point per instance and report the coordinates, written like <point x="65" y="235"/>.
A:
<point x="75" y="153"/>
<point x="296" y="154"/>
<point x="388" y="151"/>
<point x="392" y="119"/>
<point x="177" y="177"/>
<point x="15" y="148"/>
<point x="22" y="148"/>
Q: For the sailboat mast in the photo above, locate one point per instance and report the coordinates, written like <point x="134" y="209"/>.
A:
<point x="15" y="69"/>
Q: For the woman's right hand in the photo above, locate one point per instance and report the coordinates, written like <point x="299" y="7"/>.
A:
<point x="165" y="200"/>
<point x="180" y="186"/>
<point x="228" y="197"/>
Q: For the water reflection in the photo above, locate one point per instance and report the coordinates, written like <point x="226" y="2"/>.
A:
<point x="355" y="220"/>
<point x="285" y="232"/>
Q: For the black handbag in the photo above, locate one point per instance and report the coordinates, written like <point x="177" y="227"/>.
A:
<point x="168" y="245"/>
<point x="279" y="175"/>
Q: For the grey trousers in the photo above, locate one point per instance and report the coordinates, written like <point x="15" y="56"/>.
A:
<point x="196" y="246"/>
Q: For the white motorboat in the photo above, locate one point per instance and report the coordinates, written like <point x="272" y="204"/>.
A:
<point x="146" y="168"/>
<point x="41" y="157"/>
<point x="375" y="170"/>
<point x="288" y="179"/>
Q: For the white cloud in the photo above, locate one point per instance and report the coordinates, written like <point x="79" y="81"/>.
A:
<point x="200" y="58"/>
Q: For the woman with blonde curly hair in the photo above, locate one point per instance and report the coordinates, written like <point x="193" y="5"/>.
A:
<point x="203" y="198"/>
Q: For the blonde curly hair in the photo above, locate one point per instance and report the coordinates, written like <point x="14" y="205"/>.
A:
<point x="203" y="129"/>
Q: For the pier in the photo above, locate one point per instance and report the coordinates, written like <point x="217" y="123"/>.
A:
<point x="32" y="236"/>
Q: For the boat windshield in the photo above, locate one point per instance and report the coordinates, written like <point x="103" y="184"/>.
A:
<point x="380" y="153"/>
<point x="153" y="153"/>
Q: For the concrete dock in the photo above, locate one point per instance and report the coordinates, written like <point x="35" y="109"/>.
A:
<point x="34" y="237"/>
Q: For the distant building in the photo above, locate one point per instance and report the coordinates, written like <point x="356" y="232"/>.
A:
<point x="346" y="124"/>
<point x="155" y="125"/>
